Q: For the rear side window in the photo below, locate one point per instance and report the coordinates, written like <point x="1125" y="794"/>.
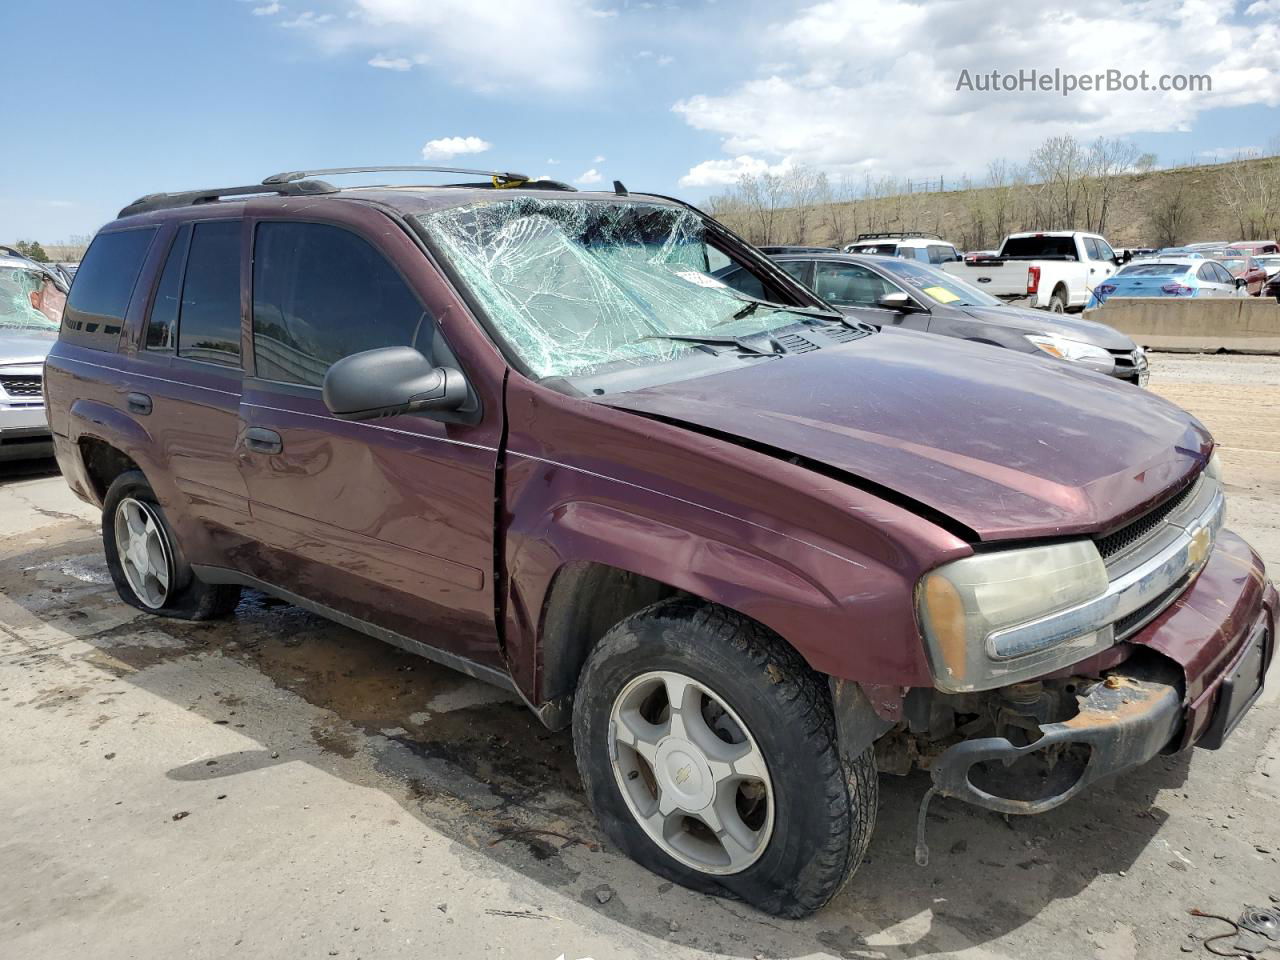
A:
<point x="209" y="317"/>
<point x="941" y="253"/>
<point x="99" y="298"/>
<point x="321" y="293"/>
<point x="162" y="326"/>
<point x="1207" y="272"/>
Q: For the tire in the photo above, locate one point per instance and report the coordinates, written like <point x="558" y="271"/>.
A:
<point x="173" y="590"/>
<point x="815" y="820"/>
<point x="1058" y="301"/>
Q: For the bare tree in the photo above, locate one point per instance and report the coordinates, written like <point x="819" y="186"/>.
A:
<point x="1059" y="165"/>
<point x="802" y="186"/>
<point x="839" y="212"/>
<point x="1107" y="160"/>
<point x="762" y="195"/>
<point x="1169" y="216"/>
<point x="1250" y="189"/>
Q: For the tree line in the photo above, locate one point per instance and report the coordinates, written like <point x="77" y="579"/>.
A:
<point x="1063" y="184"/>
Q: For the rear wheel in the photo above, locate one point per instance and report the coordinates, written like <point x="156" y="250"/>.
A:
<point x="1058" y="301"/>
<point x="709" y="753"/>
<point x="145" y="561"/>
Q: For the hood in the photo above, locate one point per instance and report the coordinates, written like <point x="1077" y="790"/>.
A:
<point x="1041" y="321"/>
<point x="25" y="347"/>
<point x="999" y="441"/>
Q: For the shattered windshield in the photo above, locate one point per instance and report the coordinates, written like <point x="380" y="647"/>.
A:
<point x="29" y="300"/>
<point x="574" y="285"/>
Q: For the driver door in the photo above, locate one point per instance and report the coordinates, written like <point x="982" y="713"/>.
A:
<point x="387" y="521"/>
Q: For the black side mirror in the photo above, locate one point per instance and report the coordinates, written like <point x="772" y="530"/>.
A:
<point x="1240" y="281"/>
<point x="390" y="381"/>
<point x="897" y="301"/>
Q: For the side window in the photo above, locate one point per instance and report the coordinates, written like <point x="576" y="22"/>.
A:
<point x="941" y="253"/>
<point x="799" y="269"/>
<point x="744" y="281"/>
<point x="1224" y="275"/>
<point x="162" y="326"/>
<point x="209" y="318"/>
<point x="99" y="298"/>
<point x="1091" y="248"/>
<point x="321" y="293"/>
<point x="848" y="284"/>
<point x="1104" y="250"/>
<point x="922" y="254"/>
<point x="1208" y="273"/>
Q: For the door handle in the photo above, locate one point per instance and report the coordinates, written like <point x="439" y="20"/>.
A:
<point x="261" y="440"/>
<point x="138" y="403"/>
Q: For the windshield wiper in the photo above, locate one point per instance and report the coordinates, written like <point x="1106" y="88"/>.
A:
<point x="755" y="303"/>
<point x="714" y="340"/>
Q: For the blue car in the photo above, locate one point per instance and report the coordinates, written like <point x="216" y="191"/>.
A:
<point x="1167" y="276"/>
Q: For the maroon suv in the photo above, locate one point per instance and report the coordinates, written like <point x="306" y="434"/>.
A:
<point x="750" y="550"/>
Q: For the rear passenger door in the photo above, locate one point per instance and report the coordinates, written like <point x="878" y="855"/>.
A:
<point x="190" y="353"/>
<point x="388" y="521"/>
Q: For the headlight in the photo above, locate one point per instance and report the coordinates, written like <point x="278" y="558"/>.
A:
<point x="966" y="605"/>
<point x="1213" y="469"/>
<point x="1095" y="358"/>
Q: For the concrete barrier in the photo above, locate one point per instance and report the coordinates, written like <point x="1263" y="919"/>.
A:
<point x="1236" y="324"/>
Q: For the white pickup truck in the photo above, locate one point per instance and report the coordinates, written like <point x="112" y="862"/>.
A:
<point x="1054" y="270"/>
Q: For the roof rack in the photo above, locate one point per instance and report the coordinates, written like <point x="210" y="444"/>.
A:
<point x="295" y="183"/>
<point x="897" y="235"/>
<point x="187" y="198"/>
<point x="292" y="176"/>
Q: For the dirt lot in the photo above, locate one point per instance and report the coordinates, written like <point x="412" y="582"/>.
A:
<point x="278" y="786"/>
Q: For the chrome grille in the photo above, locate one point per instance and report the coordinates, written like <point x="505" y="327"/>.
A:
<point x="20" y="386"/>
<point x="1119" y="541"/>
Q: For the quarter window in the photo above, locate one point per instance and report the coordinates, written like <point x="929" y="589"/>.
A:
<point x="209" y="319"/>
<point x="99" y="298"/>
<point x="1208" y="274"/>
<point x="1091" y="248"/>
<point x="321" y="293"/>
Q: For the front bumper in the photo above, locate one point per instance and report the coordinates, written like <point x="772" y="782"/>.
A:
<point x="24" y="431"/>
<point x="1215" y="644"/>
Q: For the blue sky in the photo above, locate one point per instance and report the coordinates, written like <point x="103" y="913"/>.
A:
<point x="131" y="97"/>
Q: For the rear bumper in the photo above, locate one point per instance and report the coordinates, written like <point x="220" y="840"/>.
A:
<point x="1220" y="636"/>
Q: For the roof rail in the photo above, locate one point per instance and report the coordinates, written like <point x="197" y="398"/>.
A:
<point x="291" y="176"/>
<point x="187" y="198"/>
<point x="897" y="235"/>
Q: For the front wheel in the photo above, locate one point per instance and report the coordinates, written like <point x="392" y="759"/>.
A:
<point x="708" y="749"/>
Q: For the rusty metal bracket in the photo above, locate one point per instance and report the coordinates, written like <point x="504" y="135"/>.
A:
<point x="1125" y="722"/>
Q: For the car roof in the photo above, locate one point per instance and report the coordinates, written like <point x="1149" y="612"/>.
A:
<point x="1187" y="262"/>
<point x="873" y="242"/>
<point x="408" y="198"/>
<point x="8" y="262"/>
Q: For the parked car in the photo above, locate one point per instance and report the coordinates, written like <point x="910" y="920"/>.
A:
<point x="31" y="301"/>
<point x="1163" y="276"/>
<point x="924" y="247"/>
<point x="1269" y="262"/>
<point x="742" y="546"/>
<point x="771" y="250"/>
<point x="1256" y="248"/>
<point x="1244" y="268"/>
<point x="1055" y="270"/>
<point x="891" y="292"/>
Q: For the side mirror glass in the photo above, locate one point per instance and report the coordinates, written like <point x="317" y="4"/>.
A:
<point x="390" y="381"/>
<point x="896" y="301"/>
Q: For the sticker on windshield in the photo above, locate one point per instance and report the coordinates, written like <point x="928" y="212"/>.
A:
<point x="942" y="294"/>
<point x="701" y="279"/>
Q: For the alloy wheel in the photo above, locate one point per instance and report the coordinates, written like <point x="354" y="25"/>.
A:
<point x="143" y="548"/>
<point x="691" y="772"/>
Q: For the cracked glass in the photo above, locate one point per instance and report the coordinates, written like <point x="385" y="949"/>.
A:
<point x="574" y="285"/>
<point x="28" y="300"/>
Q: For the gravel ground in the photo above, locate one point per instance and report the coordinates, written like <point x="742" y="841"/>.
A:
<point x="278" y="786"/>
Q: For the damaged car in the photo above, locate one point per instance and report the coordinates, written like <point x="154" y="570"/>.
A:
<point x="751" y="551"/>
<point x="31" y="301"/>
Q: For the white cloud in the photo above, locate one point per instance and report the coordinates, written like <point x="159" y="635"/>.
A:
<point x="308" y="18"/>
<point x="591" y="176"/>
<point x="598" y="158"/>
<point x="719" y="173"/>
<point x="267" y="10"/>
<point x="600" y="14"/>
<point x="1229" y="153"/>
<point x="1263" y="8"/>
<point x="482" y="46"/>
<point x="664" y="60"/>
<point x="384" y="62"/>
<point x="871" y="84"/>
<point x="552" y="162"/>
<point x="447" y="147"/>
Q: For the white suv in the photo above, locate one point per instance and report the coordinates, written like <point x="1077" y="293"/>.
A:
<point x="925" y="247"/>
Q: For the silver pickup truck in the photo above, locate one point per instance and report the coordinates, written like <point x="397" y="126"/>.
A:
<point x="1053" y="270"/>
